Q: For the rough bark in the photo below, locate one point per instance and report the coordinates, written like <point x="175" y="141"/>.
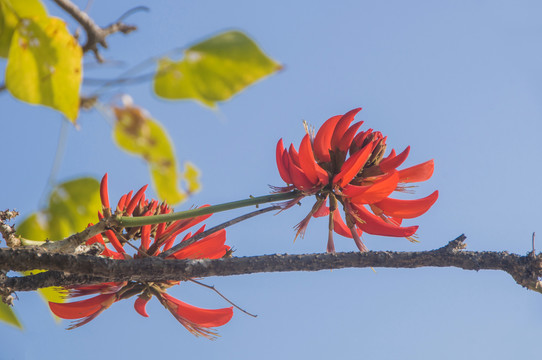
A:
<point x="69" y="270"/>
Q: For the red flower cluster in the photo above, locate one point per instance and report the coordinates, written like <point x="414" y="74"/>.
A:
<point x="348" y="167"/>
<point x="154" y="240"/>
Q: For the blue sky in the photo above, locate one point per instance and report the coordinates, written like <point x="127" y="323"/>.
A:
<point x="458" y="81"/>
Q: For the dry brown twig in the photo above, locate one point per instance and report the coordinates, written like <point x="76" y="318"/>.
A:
<point x="96" y="35"/>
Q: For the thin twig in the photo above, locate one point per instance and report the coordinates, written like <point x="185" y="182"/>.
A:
<point x="96" y="35"/>
<point x="222" y="296"/>
<point x="212" y="230"/>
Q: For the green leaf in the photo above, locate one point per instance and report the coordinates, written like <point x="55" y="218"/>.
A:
<point x="137" y="133"/>
<point x="11" y="12"/>
<point x="72" y="206"/>
<point x="44" y="65"/>
<point x="213" y="70"/>
<point x="8" y="316"/>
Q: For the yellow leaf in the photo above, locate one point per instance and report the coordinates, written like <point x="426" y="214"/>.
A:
<point x="137" y="133"/>
<point x="213" y="70"/>
<point x="191" y="177"/>
<point x="44" y="65"/>
<point x="13" y="11"/>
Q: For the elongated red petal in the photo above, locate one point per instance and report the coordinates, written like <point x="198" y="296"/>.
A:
<point x="306" y="159"/>
<point x="133" y="203"/>
<point x="322" y="140"/>
<point x="199" y="316"/>
<point x="341" y="127"/>
<point x="114" y="241"/>
<point x="323" y="210"/>
<point x="106" y="251"/>
<point x="181" y="225"/>
<point x="145" y="236"/>
<point x="376" y="226"/>
<point x="283" y="170"/>
<point x="210" y="247"/>
<point x="83" y="308"/>
<point x="140" y="305"/>
<point x="339" y="226"/>
<point x="298" y="177"/>
<point x="392" y="162"/>
<point x="104" y="196"/>
<point x="348" y="136"/>
<point x="360" y="138"/>
<point x="407" y="209"/>
<point x="372" y="193"/>
<point x="352" y="166"/>
<point x="417" y="173"/>
<point x="308" y="164"/>
<point x="122" y="203"/>
<point x="294" y="155"/>
<point x="391" y="155"/>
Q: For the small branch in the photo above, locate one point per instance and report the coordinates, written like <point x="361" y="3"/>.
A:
<point x="212" y="230"/>
<point x="128" y="221"/>
<point x="212" y="287"/>
<point x="71" y="243"/>
<point x="525" y="270"/>
<point x="8" y="231"/>
<point x="95" y="34"/>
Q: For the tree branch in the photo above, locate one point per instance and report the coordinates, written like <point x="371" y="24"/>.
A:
<point x="8" y="231"/>
<point x="96" y="35"/>
<point x="87" y="269"/>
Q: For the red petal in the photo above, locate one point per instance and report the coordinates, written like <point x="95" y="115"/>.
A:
<point x="392" y="162"/>
<point x="323" y="210"/>
<point x="369" y="194"/>
<point x="83" y="308"/>
<point x="129" y="196"/>
<point x="133" y="203"/>
<point x="352" y="166"/>
<point x="374" y="225"/>
<point x="360" y="138"/>
<point x="181" y="225"/>
<point x="140" y="305"/>
<point x="308" y="164"/>
<point x="122" y="203"/>
<point x="210" y="247"/>
<point x="294" y="156"/>
<point x="391" y="155"/>
<point x="103" y="192"/>
<point x="348" y="136"/>
<point x="417" y="173"/>
<point x="106" y="251"/>
<point x="283" y="170"/>
<point x="298" y="177"/>
<point x="339" y="226"/>
<point x="322" y="140"/>
<point x="407" y="209"/>
<point x="199" y="316"/>
<point x="341" y="127"/>
<point x="114" y="241"/>
<point x="145" y="236"/>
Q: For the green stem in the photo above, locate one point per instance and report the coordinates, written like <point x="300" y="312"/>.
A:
<point x="127" y="221"/>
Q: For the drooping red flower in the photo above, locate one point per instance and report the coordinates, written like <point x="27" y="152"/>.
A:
<point x="341" y="165"/>
<point x="154" y="239"/>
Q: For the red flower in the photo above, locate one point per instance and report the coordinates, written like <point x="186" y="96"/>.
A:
<point x="349" y="168"/>
<point x="154" y="239"/>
